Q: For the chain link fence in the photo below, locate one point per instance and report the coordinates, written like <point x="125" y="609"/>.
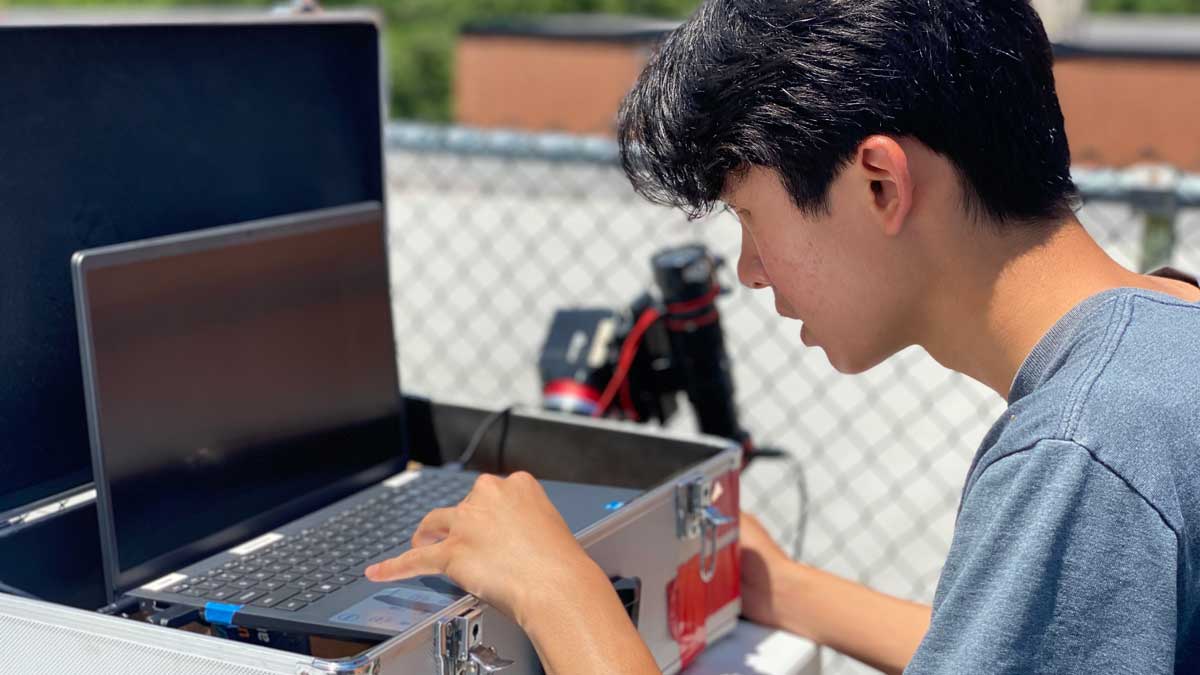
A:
<point x="491" y="232"/>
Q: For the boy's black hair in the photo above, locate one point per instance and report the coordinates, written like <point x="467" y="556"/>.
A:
<point x="796" y="85"/>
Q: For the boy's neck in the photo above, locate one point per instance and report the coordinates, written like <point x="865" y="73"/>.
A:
<point x="1003" y="296"/>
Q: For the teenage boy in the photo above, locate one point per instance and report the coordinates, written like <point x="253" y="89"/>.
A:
<point x="901" y="175"/>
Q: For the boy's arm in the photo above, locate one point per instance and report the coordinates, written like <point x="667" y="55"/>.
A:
<point x="877" y="629"/>
<point x="587" y="631"/>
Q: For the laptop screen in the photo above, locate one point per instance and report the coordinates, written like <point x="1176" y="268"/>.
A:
<point x="236" y="378"/>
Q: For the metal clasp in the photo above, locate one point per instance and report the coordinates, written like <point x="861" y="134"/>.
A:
<point x="695" y="516"/>
<point x="458" y="645"/>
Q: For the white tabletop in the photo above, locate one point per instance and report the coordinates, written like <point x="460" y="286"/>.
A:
<point x="752" y="649"/>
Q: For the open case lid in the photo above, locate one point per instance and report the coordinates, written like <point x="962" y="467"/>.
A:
<point x="126" y="128"/>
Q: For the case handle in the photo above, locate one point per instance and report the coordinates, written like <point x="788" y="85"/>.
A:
<point x="710" y="521"/>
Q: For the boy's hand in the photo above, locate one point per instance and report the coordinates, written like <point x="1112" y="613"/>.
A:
<point x="504" y="543"/>
<point x="762" y="560"/>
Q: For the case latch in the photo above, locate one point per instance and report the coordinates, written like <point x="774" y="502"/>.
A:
<point x="696" y="516"/>
<point x="458" y="644"/>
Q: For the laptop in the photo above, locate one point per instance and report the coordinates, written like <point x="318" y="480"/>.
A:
<point x="246" y="427"/>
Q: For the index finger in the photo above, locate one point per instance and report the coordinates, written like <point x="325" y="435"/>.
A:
<point x="415" y="562"/>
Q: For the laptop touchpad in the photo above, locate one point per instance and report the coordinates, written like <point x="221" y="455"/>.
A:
<point x="401" y="606"/>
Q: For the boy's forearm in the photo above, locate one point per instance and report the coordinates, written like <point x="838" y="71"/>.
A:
<point x="587" y="632"/>
<point x="877" y="629"/>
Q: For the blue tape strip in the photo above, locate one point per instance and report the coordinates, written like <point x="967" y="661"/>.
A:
<point x="220" y="613"/>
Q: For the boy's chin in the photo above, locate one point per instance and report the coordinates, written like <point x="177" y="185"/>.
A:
<point x="850" y="364"/>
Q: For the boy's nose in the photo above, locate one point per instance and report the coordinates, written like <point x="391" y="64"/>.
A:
<point x="750" y="270"/>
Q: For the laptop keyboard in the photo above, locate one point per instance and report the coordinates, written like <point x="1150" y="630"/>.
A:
<point x="301" y="569"/>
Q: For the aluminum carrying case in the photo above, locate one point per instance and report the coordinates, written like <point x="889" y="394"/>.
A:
<point x="669" y="543"/>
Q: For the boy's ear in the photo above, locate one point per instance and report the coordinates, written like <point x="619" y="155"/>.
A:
<point x="884" y="164"/>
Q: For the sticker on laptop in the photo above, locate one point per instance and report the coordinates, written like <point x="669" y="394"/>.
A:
<point x="402" y="479"/>
<point x="399" y="608"/>
<point x="257" y="543"/>
<point x="164" y="582"/>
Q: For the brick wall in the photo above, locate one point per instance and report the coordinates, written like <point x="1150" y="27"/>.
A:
<point x="1119" y="110"/>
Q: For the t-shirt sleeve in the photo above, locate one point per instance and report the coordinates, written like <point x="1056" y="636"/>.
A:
<point x="1057" y="566"/>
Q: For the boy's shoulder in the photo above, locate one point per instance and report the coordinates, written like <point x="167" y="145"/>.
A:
<point x="1119" y="378"/>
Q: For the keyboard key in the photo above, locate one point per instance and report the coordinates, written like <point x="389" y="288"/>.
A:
<point x="261" y="575"/>
<point x="343" y="579"/>
<point x="245" y="582"/>
<point x="274" y="598"/>
<point x="292" y="605"/>
<point x="219" y="594"/>
<point x="305" y="582"/>
<point x="247" y="596"/>
<point x="179" y="588"/>
<point x="271" y="584"/>
<point x="327" y="587"/>
<point x="194" y="592"/>
<point x="227" y="577"/>
<point x="310" y="596"/>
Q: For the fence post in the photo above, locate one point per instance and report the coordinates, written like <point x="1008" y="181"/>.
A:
<point x="1158" y="239"/>
<point x="1154" y="190"/>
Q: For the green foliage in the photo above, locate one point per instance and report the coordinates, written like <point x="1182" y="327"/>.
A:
<point x="420" y="69"/>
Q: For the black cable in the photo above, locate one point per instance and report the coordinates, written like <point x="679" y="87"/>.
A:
<point x="503" y="442"/>
<point x="481" y="430"/>
<point x="13" y="590"/>
<point x="123" y="607"/>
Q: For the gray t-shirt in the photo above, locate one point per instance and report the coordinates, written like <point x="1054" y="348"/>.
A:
<point x="1077" y="545"/>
